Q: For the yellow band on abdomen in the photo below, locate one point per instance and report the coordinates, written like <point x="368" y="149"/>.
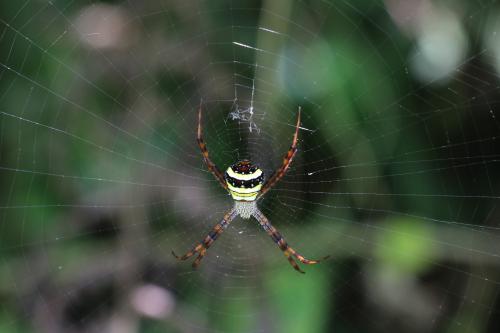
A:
<point x="243" y="196"/>
<point x="243" y="189"/>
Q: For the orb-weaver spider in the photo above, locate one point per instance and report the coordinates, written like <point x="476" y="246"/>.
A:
<point x="245" y="182"/>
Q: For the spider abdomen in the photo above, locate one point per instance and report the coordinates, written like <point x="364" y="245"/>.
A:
<point x="244" y="180"/>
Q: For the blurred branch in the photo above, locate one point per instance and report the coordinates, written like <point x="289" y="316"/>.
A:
<point x="271" y="46"/>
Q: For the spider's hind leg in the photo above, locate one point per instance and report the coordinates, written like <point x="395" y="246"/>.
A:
<point x="188" y="254"/>
<point x="283" y="245"/>
<point x="202" y="247"/>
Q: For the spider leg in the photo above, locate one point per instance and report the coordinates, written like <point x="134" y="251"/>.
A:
<point x="289" y="252"/>
<point x="287" y="159"/>
<point x="202" y="247"/>
<point x="204" y="151"/>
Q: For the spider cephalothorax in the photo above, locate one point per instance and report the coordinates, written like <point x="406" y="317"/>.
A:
<point x="245" y="182"/>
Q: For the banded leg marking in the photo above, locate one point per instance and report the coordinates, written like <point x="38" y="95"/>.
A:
<point x="202" y="247"/>
<point x="204" y="151"/>
<point x="282" y="244"/>
<point x="287" y="160"/>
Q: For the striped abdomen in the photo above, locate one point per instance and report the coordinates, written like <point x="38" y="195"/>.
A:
<point x="244" y="180"/>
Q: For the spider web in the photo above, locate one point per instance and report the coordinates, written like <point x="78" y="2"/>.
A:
<point x="396" y="176"/>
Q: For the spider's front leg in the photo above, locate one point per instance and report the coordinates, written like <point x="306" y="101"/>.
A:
<point x="204" y="151"/>
<point x="201" y="248"/>
<point x="280" y="241"/>
<point x="287" y="160"/>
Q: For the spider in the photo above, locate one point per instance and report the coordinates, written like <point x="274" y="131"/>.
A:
<point x="245" y="183"/>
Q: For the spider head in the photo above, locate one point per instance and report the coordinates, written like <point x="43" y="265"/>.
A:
<point x="244" y="180"/>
